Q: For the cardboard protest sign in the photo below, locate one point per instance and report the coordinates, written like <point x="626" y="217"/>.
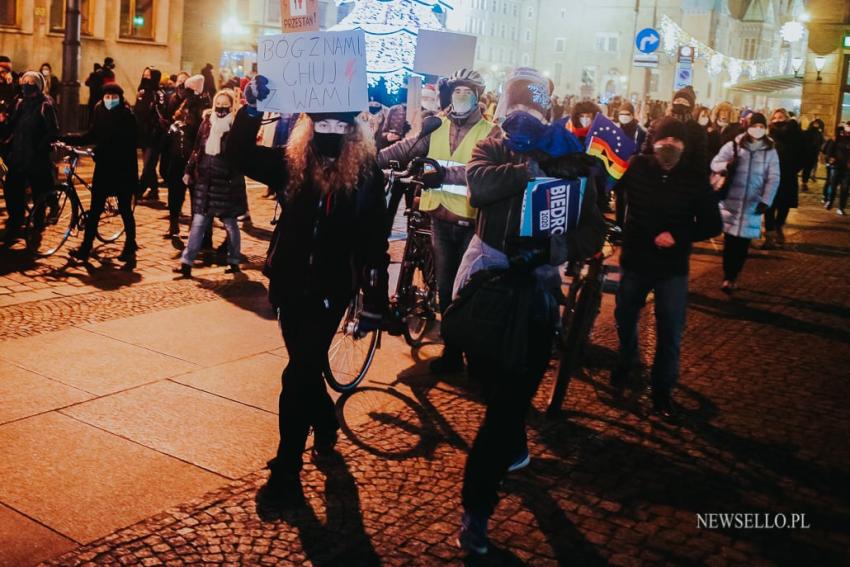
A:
<point x="551" y="206"/>
<point x="442" y="53"/>
<point x="314" y="71"/>
<point x="299" y="15"/>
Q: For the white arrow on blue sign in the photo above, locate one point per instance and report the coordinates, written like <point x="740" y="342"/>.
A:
<point x="647" y="40"/>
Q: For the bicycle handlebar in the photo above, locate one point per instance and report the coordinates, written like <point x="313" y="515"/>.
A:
<point x="72" y="149"/>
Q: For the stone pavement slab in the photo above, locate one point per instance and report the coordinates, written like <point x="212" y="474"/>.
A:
<point x="211" y="432"/>
<point x="25" y="542"/>
<point x="90" y="362"/>
<point x="253" y="381"/>
<point x="24" y="393"/>
<point x="84" y="482"/>
<point x="204" y="334"/>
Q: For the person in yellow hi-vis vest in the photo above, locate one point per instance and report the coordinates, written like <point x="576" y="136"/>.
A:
<point x="453" y="220"/>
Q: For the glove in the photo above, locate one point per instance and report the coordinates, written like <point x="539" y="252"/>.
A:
<point x="434" y="179"/>
<point x="761" y="208"/>
<point x="255" y="91"/>
<point x="367" y="323"/>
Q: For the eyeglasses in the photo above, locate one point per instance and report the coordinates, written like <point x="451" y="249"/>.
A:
<point x="331" y="127"/>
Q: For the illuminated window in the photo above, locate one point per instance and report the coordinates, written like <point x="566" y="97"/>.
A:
<point x="57" y="16"/>
<point x="137" y="19"/>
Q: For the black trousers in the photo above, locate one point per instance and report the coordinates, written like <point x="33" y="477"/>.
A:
<point x="840" y="183"/>
<point x="502" y="437"/>
<point x="125" y="208"/>
<point x="775" y="217"/>
<point x="735" y="251"/>
<point x="148" y="178"/>
<point x="308" y="328"/>
<point x="38" y="178"/>
<point x="176" y="187"/>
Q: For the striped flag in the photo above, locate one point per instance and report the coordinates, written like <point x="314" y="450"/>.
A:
<point x="607" y="141"/>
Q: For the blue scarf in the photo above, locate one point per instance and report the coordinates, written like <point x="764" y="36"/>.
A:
<point x="526" y="133"/>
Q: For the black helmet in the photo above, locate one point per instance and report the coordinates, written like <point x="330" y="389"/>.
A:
<point x="467" y="78"/>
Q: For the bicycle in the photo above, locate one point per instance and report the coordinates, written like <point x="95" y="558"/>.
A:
<point x="413" y="307"/>
<point x="581" y="306"/>
<point x="58" y="214"/>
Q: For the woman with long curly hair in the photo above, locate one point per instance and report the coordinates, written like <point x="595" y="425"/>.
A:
<point x="330" y="240"/>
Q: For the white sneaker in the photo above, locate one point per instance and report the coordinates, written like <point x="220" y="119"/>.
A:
<point x="523" y="461"/>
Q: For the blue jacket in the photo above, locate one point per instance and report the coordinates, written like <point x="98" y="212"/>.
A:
<point x="755" y="181"/>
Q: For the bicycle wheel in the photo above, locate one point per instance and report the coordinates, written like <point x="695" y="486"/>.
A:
<point x="349" y="356"/>
<point x="421" y="295"/>
<point x="578" y="324"/>
<point x="52" y="220"/>
<point x="110" y="227"/>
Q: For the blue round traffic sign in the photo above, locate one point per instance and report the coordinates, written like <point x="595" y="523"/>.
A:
<point x="647" y="40"/>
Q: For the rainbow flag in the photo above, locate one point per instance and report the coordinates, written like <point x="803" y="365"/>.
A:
<point x="607" y="141"/>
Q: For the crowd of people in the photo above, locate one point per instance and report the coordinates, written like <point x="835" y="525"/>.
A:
<point x="698" y="171"/>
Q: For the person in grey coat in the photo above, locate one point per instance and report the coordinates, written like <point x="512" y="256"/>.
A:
<point x="754" y="184"/>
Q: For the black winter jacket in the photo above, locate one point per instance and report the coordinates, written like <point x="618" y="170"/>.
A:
<point x="324" y="246"/>
<point x="30" y="130"/>
<point x="113" y="134"/>
<point x="791" y="148"/>
<point x="680" y="202"/>
<point x="219" y="186"/>
<point x="150" y="112"/>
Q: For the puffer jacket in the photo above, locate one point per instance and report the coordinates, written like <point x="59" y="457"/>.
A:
<point x="219" y="186"/>
<point x="755" y="181"/>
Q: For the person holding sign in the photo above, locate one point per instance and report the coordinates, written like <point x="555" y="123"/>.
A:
<point x="500" y="173"/>
<point x="452" y="218"/>
<point x="330" y="240"/>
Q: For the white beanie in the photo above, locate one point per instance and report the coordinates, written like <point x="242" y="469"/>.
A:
<point x="196" y="83"/>
<point x="39" y="79"/>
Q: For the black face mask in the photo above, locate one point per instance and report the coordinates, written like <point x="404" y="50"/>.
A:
<point x="222" y="111"/>
<point x="374" y="109"/>
<point x="681" y="109"/>
<point x="668" y="155"/>
<point x="328" y="145"/>
<point x="29" y="90"/>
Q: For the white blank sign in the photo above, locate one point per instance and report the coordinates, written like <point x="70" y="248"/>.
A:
<point x="442" y="53"/>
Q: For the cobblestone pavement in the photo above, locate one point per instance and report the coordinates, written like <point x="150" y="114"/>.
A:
<point x="765" y="428"/>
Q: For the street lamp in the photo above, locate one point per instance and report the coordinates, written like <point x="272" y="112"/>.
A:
<point x="820" y="61"/>
<point x="792" y="31"/>
<point x="796" y="64"/>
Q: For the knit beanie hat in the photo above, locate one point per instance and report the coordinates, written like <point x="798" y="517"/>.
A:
<point x="113" y="88"/>
<point x="688" y="94"/>
<point x="669" y="127"/>
<point x="758" y="118"/>
<point x="196" y="83"/>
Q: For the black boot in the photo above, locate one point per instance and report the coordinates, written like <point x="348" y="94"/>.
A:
<point x="128" y="253"/>
<point x="450" y="361"/>
<point x="662" y="406"/>
<point x="282" y="492"/>
<point x="173" y="228"/>
<point x="184" y="270"/>
<point x="82" y="254"/>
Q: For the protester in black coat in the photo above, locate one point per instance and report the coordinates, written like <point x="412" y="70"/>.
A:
<point x="791" y="148"/>
<point x="696" y="144"/>
<point x="669" y="206"/>
<point x="218" y="187"/>
<point x="813" y="142"/>
<point x="330" y="240"/>
<point x="28" y="132"/>
<point x="151" y="122"/>
<point x="113" y="134"/>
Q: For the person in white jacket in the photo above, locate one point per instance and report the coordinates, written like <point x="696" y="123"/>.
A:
<point x="753" y="163"/>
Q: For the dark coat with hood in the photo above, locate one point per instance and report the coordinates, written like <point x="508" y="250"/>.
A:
<point x="150" y="111"/>
<point x="113" y="135"/>
<point x="324" y="246"/>
<point x="31" y="128"/>
<point x="219" y="186"/>
<point x="184" y="131"/>
<point x="791" y="149"/>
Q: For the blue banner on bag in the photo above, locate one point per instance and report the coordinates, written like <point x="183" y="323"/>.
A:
<point x="551" y="206"/>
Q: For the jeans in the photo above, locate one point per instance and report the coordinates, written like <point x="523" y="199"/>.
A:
<point x="841" y="182"/>
<point x="501" y="437"/>
<point x="450" y="241"/>
<point x="148" y="178"/>
<point x="734" y="255"/>
<point x="828" y="191"/>
<point x="125" y="207"/>
<point x="671" y="299"/>
<point x="308" y="327"/>
<point x="200" y="227"/>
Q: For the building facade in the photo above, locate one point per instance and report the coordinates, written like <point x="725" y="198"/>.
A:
<point x="136" y="33"/>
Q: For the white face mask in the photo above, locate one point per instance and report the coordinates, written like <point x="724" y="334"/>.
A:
<point x="723" y="123"/>
<point x="463" y="103"/>
<point x="584" y="121"/>
<point x="625" y="118"/>
<point x="703" y="120"/>
<point x="756" y="132"/>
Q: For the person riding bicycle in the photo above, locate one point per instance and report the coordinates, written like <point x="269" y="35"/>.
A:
<point x="452" y="218"/>
<point x="498" y="173"/>
<point x="329" y="242"/>
<point x="28" y="132"/>
<point x="113" y="133"/>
